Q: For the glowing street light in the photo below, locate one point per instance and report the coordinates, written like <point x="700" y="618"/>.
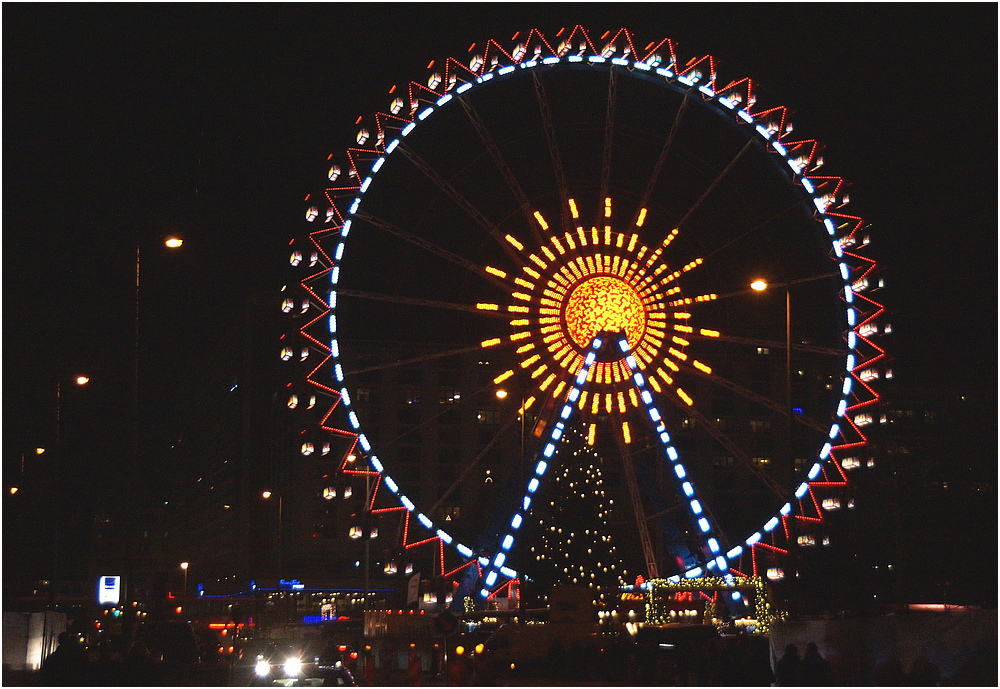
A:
<point x="501" y="394"/>
<point x="266" y="495"/>
<point x="174" y="242"/>
<point x="82" y="380"/>
<point x="184" y="567"/>
<point x="759" y="285"/>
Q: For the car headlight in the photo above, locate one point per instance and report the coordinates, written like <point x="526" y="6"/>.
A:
<point x="293" y="666"/>
<point x="262" y="668"/>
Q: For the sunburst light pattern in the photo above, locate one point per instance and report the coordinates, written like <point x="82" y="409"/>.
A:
<point x="598" y="279"/>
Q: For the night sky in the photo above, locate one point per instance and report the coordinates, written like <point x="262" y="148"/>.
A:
<point x="124" y="124"/>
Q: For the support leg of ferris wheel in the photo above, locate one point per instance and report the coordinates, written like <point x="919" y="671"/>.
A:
<point x="642" y="526"/>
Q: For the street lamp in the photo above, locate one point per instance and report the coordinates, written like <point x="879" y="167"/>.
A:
<point x="184" y="567"/>
<point x="80" y="381"/>
<point x="267" y="495"/>
<point x="130" y="477"/>
<point x="761" y="285"/>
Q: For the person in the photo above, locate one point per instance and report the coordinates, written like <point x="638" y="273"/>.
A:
<point x="816" y="670"/>
<point x="924" y="673"/>
<point x="105" y="671"/>
<point x="889" y="673"/>
<point x="67" y="665"/>
<point x="788" y="669"/>
<point x="138" y="667"/>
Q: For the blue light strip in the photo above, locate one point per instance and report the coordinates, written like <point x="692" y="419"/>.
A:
<point x="507" y="542"/>
<point x="704" y="526"/>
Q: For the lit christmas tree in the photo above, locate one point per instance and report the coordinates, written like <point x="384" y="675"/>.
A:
<point x="570" y="543"/>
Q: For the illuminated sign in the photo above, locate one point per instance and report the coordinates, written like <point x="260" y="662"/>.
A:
<point x="109" y="590"/>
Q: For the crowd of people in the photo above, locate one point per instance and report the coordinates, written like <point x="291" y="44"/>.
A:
<point x="811" y="670"/>
<point x="70" y="666"/>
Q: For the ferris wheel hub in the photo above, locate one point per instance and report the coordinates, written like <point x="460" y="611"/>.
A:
<point x="604" y="303"/>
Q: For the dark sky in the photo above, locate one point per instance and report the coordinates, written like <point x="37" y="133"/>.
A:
<point x="125" y="123"/>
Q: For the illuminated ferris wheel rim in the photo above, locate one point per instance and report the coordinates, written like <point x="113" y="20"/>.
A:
<point x="815" y="190"/>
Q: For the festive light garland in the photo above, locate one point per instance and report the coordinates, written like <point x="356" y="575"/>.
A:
<point x="657" y="614"/>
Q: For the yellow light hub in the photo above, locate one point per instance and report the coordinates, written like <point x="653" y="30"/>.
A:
<point x="604" y="303"/>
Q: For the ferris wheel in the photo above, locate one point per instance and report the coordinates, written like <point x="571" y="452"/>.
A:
<point x="582" y="218"/>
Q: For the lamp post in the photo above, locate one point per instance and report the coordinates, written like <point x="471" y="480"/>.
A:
<point x="760" y="285"/>
<point x="267" y="496"/>
<point x="130" y="476"/>
<point x="184" y="568"/>
<point x="56" y="484"/>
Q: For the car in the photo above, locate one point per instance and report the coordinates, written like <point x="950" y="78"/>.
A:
<point x="300" y="666"/>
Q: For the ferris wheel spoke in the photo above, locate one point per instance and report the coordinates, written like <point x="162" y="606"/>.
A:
<point x="460" y="201"/>
<point x="427" y="421"/>
<point x="415" y="301"/>
<point x="755" y="228"/>
<point x="427" y="245"/>
<point x="770" y="344"/>
<point x="475" y="461"/>
<point x="737" y="452"/>
<point x="609" y="125"/>
<point x="761" y="400"/>
<point x="664" y="152"/>
<point x="550" y="139"/>
<point x="715" y="183"/>
<point x="641" y="522"/>
<point x="502" y="167"/>
<point x="415" y="360"/>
